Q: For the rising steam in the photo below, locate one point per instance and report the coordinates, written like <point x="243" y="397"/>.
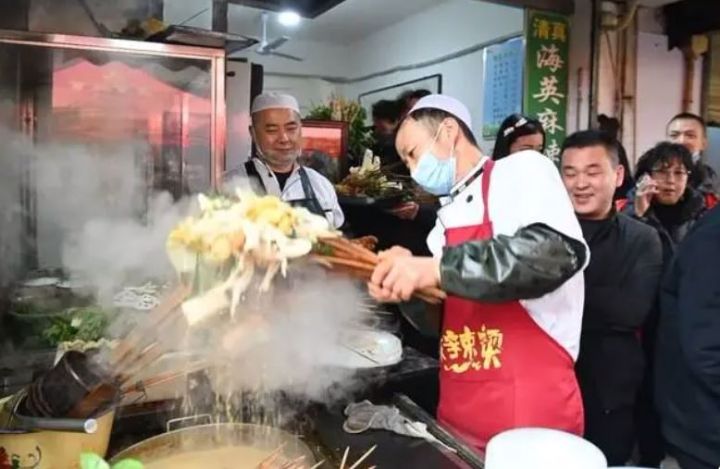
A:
<point x="97" y="221"/>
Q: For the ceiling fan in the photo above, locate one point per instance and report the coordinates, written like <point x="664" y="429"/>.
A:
<point x="270" y="47"/>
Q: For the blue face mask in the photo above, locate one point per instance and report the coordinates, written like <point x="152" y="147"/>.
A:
<point x="433" y="174"/>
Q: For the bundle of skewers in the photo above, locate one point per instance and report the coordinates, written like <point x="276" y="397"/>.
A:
<point x="138" y="350"/>
<point x="275" y="461"/>
<point x="356" y="259"/>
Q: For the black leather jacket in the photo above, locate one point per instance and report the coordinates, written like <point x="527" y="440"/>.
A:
<point x="530" y="264"/>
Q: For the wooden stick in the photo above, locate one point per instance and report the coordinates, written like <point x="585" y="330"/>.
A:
<point x="162" y="378"/>
<point x="148" y="359"/>
<point x="272" y="457"/>
<point x="346" y="262"/>
<point x="99" y="396"/>
<point x="431" y="292"/>
<point x="352" y="249"/>
<point x="157" y="316"/>
<point x="363" y="271"/>
<point x="338" y="248"/>
<point x="427" y="298"/>
<point x="128" y="361"/>
<point x="363" y="458"/>
<point x="345" y="456"/>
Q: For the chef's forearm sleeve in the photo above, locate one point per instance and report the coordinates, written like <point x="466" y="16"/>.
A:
<point x="533" y="262"/>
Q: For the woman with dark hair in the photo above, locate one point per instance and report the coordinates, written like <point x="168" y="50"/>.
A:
<point x="665" y="200"/>
<point x="518" y="133"/>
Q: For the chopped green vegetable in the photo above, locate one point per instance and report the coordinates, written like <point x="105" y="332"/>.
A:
<point x="86" y="324"/>
<point x="323" y="250"/>
<point x="93" y="461"/>
<point x="128" y="464"/>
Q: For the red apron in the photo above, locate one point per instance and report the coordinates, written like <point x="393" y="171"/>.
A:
<point x="499" y="369"/>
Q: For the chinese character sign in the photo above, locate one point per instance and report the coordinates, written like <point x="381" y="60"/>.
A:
<point x="546" y="62"/>
<point x="502" y="84"/>
<point x="468" y="350"/>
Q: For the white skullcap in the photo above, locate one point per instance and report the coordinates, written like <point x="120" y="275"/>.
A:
<point x="274" y="101"/>
<point x="447" y="104"/>
<point x="539" y="448"/>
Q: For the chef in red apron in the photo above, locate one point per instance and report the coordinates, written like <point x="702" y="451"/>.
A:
<point x="509" y="252"/>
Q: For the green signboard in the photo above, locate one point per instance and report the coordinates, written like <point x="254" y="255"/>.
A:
<point x="547" y="49"/>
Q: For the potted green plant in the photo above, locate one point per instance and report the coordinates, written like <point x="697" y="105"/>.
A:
<point x="340" y="109"/>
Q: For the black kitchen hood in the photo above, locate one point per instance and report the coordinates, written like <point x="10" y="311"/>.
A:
<point x="192" y="36"/>
<point x="305" y="8"/>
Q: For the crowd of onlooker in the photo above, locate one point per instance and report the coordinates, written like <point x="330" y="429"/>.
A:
<point x="649" y="363"/>
<point x="649" y="355"/>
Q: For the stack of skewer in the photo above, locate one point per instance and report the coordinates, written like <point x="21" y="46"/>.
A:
<point x="134" y="354"/>
<point x="355" y="259"/>
<point x="275" y="461"/>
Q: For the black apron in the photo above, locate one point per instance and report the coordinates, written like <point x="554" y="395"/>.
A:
<point x="310" y="202"/>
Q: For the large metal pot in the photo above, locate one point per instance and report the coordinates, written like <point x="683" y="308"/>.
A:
<point x="215" y="436"/>
<point x="48" y="449"/>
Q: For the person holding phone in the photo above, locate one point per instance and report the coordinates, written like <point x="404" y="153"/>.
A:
<point x="665" y="200"/>
<point x="663" y="197"/>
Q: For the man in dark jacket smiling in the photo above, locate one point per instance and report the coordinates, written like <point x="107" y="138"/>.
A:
<point x="688" y="381"/>
<point x="620" y="288"/>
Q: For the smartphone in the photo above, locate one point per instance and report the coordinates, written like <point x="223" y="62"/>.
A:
<point x="643" y="183"/>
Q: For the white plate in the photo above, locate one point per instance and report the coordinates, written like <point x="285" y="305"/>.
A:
<point x="41" y="282"/>
<point x="366" y="349"/>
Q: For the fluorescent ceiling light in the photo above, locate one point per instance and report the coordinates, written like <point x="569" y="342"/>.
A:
<point x="288" y="18"/>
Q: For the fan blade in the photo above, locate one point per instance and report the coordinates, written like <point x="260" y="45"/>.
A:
<point x="286" y="56"/>
<point x="276" y="43"/>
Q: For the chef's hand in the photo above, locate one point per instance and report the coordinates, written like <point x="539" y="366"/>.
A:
<point x="647" y="188"/>
<point x="395" y="251"/>
<point x="406" y="211"/>
<point x="396" y="278"/>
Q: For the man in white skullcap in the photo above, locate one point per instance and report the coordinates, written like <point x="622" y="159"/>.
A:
<point x="277" y="133"/>
<point x="509" y="253"/>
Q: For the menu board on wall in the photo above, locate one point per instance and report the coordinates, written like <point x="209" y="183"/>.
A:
<point x="502" y="84"/>
<point x="547" y="46"/>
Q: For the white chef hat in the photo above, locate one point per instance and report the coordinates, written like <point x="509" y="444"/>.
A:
<point x="274" y="101"/>
<point x="445" y="103"/>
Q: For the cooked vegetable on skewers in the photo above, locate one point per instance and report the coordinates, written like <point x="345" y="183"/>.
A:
<point x="233" y="240"/>
<point x="242" y="236"/>
<point x="368" y="180"/>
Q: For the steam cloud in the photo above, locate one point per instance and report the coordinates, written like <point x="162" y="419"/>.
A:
<point x="96" y="221"/>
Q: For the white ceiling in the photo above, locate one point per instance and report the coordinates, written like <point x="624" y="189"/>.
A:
<point x="348" y="22"/>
